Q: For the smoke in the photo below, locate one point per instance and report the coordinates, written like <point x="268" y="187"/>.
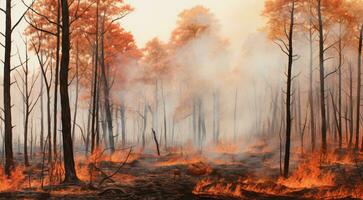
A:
<point x="244" y="78"/>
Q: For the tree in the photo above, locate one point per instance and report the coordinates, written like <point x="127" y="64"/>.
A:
<point x="9" y="28"/>
<point x="26" y="92"/>
<point x="69" y="166"/>
<point x="281" y="14"/>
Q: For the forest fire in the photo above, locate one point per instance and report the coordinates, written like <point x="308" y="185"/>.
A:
<point x="192" y="99"/>
<point x="14" y="183"/>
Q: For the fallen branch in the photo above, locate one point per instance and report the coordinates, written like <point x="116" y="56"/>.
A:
<point x="118" y="169"/>
<point x="102" y="172"/>
<point x="156" y="141"/>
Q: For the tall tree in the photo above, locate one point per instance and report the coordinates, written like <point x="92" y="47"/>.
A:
<point x="8" y="135"/>
<point x="282" y="14"/>
<point x="26" y="92"/>
<point x="69" y="166"/>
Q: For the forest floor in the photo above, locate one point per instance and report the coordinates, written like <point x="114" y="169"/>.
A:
<point x="254" y="174"/>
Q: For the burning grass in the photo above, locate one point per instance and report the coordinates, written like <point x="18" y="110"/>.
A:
<point x="316" y="177"/>
<point x="15" y="182"/>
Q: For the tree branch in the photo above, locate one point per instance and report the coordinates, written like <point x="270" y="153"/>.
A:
<point x="22" y="16"/>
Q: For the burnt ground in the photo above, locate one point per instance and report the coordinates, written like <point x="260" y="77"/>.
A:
<point x="148" y="178"/>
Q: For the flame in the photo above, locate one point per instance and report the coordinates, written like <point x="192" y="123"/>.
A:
<point x="181" y="159"/>
<point x="15" y="182"/>
<point x="308" y="175"/>
<point x="225" y="148"/>
<point x="208" y="186"/>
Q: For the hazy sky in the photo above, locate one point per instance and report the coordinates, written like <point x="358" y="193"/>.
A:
<point x="157" y="18"/>
<point x="151" y="18"/>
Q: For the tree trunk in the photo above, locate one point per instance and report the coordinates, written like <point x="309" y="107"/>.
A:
<point x="123" y="123"/>
<point x="95" y="86"/>
<point x="358" y="88"/>
<point x="144" y="126"/>
<point x="49" y="126"/>
<point x="164" y="109"/>
<point x="340" y="131"/>
<point x="106" y="94"/>
<point x="351" y="126"/>
<point x="322" y="77"/>
<point x="69" y="166"/>
<point x="76" y="102"/>
<point x="288" y="93"/>
<point x="9" y="161"/>
<point x="311" y="96"/>
<point x="56" y="84"/>
<point x="90" y="106"/>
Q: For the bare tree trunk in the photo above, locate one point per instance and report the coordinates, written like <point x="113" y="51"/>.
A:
<point x="123" y="123"/>
<point x="56" y="83"/>
<point x="340" y="131"/>
<point x="90" y="106"/>
<point x="69" y="166"/>
<point x="144" y="125"/>
<point x="76" y="102"/>
<point x="351" y="126"/>
<point x="359" y="86"/>
<point x="311" y="96"/>
<point x="9" y="160"/>
<point x="49" y="126"/>
<point x="95" y="86"/>
<point x="41" y="115"/>
<point x="288" y="92"/>
<point x="106" y="93"/>
<point x="98" y="113"/>
<point x="322" y="77"/>
<point x="31" y="140"/>
<point x="164" y="109"/>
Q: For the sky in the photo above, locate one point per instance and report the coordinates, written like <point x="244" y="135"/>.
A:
<point x="157" y="18"/>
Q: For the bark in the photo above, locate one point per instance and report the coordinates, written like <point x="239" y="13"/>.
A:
<point x="322" y="77"/>
<point x="9" y="160"/>
<point x="311" y="96"/>
<point x="69" y="166"/>
<point x="49" y="126"/>
<point x="351" y="126"/>
<point x="95" y="84"/>
<point x="77" y="91"/>
<point x="288" y="92"/>
<point x="56" y="76"/>
<point x="340" y="49"/>
<point x="90" y="113"/>
<point x="106" y="93"/>
<point x="358" y="88"/>
<point x="41" y="139"/>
